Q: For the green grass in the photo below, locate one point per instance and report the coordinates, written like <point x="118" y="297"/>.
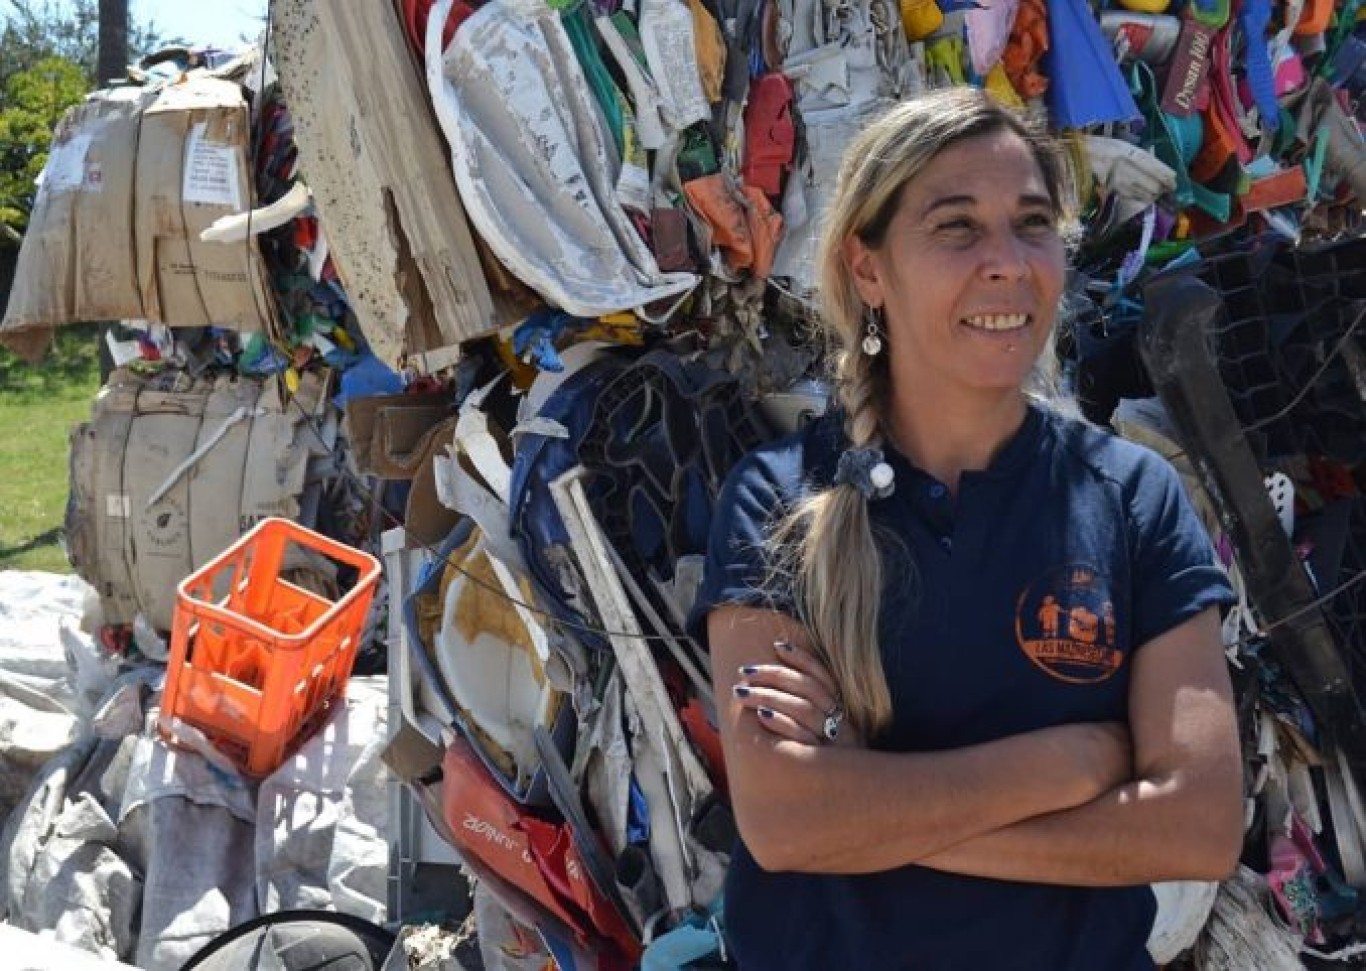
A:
<point x="38" y="406"/>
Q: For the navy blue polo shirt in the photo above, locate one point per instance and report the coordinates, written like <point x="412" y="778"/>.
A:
<point x="1014" y="607"/>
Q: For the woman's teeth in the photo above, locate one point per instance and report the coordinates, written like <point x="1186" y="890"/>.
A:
<point x="997" y="321"/>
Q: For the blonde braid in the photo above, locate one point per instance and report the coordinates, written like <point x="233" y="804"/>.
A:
<point x="860" y="386"/>
<point x="838" y="574"/>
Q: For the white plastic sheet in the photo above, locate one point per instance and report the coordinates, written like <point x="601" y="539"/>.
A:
<point x="532" y="161"/>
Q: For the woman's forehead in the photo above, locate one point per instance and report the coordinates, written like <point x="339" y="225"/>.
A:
<point x="993" y="167"/>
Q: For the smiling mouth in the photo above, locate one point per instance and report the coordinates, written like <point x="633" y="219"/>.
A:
<point x="997" y="322"/>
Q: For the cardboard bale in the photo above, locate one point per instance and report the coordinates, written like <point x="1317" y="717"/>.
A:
<point x="165" y="478"/>
<point x="193" y="168"/>
<point x="77" y="258"/>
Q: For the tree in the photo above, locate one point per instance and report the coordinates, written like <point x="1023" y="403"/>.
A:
<point x="35" y="100"/>
<point x="36" y="29"/>
<point x="113" y="44"/>
<point x="49" y="54"/>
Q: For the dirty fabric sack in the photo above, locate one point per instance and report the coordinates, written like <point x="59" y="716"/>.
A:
<point x="97" y="853"/>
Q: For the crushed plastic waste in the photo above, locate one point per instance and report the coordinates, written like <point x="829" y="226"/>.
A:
<point x="649" y="181"/>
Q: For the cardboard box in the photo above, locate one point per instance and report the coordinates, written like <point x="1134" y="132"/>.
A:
<point x="77" y="258"/>
<point x="192" y="168"/>
<point x="390" y="433"/>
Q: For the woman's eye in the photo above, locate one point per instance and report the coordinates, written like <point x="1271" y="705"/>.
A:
<point x="956" y="225"/>
<point x="1038" y="220"/>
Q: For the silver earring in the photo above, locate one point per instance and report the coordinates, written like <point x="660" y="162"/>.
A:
<point x="872" y="337"/>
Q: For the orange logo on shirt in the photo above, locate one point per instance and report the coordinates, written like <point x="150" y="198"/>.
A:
<point x="1065" y="624"/>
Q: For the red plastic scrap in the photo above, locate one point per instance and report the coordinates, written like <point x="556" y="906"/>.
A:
<point x="1285" y="188"/>
<point x="534" y="855"/>
<point x="415" y="14"/>
<point x="770" y="135"/>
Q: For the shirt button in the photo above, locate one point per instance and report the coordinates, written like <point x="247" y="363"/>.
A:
<point x="946" y="543"/>
<point x="937" y="491"/>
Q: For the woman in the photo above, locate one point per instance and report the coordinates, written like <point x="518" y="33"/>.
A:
<point x="966" y="651"/>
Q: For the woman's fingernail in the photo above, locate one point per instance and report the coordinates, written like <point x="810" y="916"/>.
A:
<point x="766" y="712"/>
<point x="749" y="669"/>
<point x="741" y="691"/>
<point x="783" y="646"/>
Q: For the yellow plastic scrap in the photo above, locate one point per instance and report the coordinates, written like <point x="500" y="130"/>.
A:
<point x="998" y="83"/>
<point x="521" y="373"/>
<point x="710" y="47"/>
<point x="944" y="57"/>
<point x="920" y="18"/>
<point x="618" y="328"/>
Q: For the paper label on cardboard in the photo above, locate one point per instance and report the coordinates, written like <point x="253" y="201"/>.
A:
<point x="210" y="171"/>
<point x="66" y="164"/>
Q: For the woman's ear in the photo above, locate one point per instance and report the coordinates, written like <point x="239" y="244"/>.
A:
<point x="862" y="262"/>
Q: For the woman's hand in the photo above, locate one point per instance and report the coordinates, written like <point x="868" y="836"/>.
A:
<point x="794" y="697"/>
<point x="795" y="694"/>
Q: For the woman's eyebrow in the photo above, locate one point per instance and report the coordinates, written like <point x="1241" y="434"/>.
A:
<point x="947" y="202"/>
<point x="1030" y="200"/>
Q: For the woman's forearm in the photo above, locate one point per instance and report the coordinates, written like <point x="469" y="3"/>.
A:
<point x="1142" y="832"/>
<point x="840" y="810"/>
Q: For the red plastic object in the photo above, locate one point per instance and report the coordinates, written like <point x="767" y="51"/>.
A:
<point x="770" y="135"/>
<point x="1285" y="188"/>
<point x="535" y="855"/>
<point x="255" y="659"/>
<point x="414" y="14"/>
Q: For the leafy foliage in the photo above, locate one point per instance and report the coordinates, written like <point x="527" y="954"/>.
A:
<point x="35" y="100"/>
<point x="48" y="53"/>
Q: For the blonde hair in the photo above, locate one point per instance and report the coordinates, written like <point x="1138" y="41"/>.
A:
<point x="825" y="546"/>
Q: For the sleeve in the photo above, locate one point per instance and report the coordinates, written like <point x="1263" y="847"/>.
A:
<point x="1176" y="573"/>
<point x="738" y="568"/>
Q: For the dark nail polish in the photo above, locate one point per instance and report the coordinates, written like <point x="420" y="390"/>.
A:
<point x="782" y="646"/>
<point x="749" y="669"/>
<point x="741" y="691"/>
<point x="766" y="712"/>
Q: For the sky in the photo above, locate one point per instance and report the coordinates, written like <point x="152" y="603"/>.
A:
<point x="221" y="23"/>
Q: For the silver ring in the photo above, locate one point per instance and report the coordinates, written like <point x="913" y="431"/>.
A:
<point x="830" y="728"/>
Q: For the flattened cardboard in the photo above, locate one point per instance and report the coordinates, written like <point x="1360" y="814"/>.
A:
<point x="192" y="168"/>
<point x="388" y="432"/>
<point x="98" y="509"/>
<point x="381" y="178"/>
<point x="159" y="439"/>
<point x="218" y="481"/>
<point x="76" y="262"/>
<point x="402" y="438"/>
<point x="427" y="520"/>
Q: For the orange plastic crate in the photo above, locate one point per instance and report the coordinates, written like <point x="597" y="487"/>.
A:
<point x="255" y="659"/>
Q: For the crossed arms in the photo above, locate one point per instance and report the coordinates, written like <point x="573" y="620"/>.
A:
<point x="1087" y="804"/>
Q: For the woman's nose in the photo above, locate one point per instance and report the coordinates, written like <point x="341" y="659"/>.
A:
<point x="1003" y="255"/>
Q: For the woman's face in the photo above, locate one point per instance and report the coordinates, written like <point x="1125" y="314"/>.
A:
<point x="970" y="271"/>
